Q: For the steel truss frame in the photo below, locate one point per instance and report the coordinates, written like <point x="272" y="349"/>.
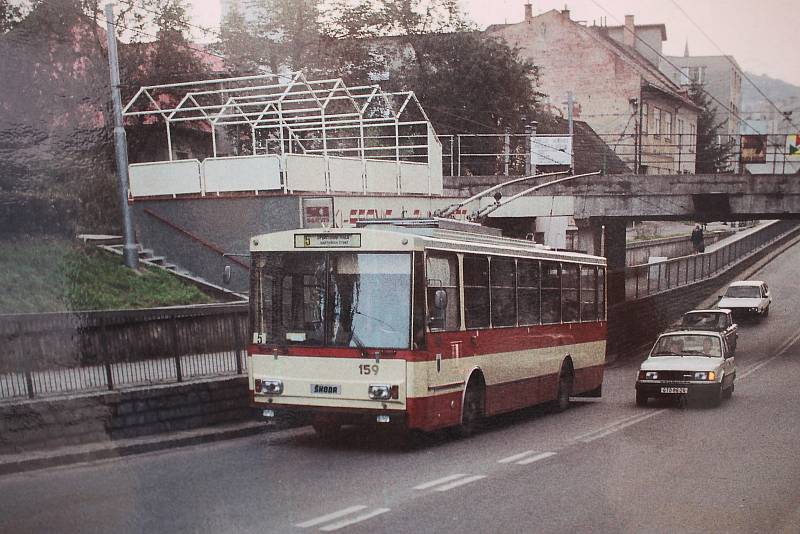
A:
<point x="287" y="113"/>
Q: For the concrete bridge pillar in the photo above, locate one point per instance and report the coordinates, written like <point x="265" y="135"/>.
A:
<point x="606" y="237"/>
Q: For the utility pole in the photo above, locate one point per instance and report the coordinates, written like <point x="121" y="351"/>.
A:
<point x="130" y="254"/>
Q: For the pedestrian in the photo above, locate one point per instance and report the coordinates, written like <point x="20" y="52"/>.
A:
<point x="698" y="241"/>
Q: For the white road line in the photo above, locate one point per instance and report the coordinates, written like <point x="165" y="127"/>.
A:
<point x="515" y="457"/>
<point x="536" y="458"/>
<point x="459" y="482"/>
<point x="596" y="430"/>
<point x="781" y="351"/>
<point x="357" y="519"/>
<point x="328" y="517"/>
<point x="626" y="424"/>
<point x="439" y="481"/>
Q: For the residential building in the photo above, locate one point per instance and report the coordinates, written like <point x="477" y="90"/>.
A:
<point x="617" y="89"/>
<point x="720" y="76"/>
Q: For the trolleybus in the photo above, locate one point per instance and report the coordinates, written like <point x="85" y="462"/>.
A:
<point x="421" y="325"/>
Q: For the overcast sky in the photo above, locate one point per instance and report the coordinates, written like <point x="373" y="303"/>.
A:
<point x="760" y="34"/>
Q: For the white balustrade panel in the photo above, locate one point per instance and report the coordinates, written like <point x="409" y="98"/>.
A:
<point x="305" y="172"/>
<point x="165" y="178"/>
<point x="346" y="174"/>
<point x="381" y="176"/>
<point x="435" y="163"/>
<point x="414" y="177"/>
<point x="242" y="173"/>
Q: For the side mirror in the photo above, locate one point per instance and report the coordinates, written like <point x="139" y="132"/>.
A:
<point x="719" y="297"/>
<point x="440" y="299"/>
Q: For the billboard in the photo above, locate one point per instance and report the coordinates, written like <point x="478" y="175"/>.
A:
<point x="793" y="147"/>
<point x="754" y="149"/>
<point x="555" y="150"/>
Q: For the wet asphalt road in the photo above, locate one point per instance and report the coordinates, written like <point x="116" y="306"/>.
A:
<point x="603" y="466"/>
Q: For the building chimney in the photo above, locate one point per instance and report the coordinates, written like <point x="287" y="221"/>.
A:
<point x="528" y="12"/>
<point x="629" y="32"/>
<point x="565" y="11"/>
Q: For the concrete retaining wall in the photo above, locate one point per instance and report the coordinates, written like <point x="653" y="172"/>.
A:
<point x="638" y="252"/>
<point x="44" y="424"/>
<point x="634" y="323"/>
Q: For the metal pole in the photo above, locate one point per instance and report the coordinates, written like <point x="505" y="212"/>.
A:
<point x="506" y="150"/>
<point x="130" y="254"/>
<point x="571" y="130"/>
<point x="533" y="142"/>
<point x="528" y="151"/>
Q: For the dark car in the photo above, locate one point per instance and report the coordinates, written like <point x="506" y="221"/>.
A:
<point x="718" y="320"/>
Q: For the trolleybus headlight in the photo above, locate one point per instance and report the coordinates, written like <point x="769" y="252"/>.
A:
<point x="380" y="391"/>
<point x="270" y="387"/>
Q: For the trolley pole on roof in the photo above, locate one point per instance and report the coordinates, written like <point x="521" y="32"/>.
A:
<point x="129" y="252"/>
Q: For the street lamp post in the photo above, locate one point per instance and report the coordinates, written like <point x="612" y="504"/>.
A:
<point x="130" y="253"/>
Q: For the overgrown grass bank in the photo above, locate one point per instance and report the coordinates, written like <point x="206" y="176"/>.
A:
<point x="50" y="275"/>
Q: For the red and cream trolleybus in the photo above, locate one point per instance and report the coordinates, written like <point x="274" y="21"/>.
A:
<point x="420" y="324"/>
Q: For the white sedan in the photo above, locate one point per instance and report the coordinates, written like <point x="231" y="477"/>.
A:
<point x="687" y="364"/>
<point x="749" y="297"/>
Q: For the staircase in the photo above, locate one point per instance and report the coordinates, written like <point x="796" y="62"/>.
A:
<point x="114" y="244"/>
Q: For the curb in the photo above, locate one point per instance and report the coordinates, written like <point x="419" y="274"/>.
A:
<point x="23" y="462"/>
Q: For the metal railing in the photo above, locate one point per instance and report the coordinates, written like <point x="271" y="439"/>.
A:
<point x="649" y="279"/>
<point x="67" y="353"/>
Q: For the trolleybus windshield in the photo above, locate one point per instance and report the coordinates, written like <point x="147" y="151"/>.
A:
<point x="331" y="299"/>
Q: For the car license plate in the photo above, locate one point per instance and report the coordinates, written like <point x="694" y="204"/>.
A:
<point x="674" y="390"/>
<point x="326" y="389"/>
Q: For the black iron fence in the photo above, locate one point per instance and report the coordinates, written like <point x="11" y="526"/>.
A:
<point x="651" y="278"/>
<point x="63" y="353"/>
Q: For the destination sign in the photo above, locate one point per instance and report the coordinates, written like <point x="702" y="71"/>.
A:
<point x="327" y="240"/>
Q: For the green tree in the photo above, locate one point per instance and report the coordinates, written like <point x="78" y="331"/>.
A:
<point x="713" y="156"/>
<point x="10" y="15"/>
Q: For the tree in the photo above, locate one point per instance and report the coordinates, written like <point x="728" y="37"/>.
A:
<point x="712" y="155"/>
<point x="10" y="15"/>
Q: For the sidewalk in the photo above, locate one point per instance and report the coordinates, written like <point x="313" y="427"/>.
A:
<point x="40" y="459"/>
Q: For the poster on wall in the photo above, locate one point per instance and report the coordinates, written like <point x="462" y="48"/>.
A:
<point x="793" y="147"/>
<point x="754" y="149"/>
<point x="317" y="212"/>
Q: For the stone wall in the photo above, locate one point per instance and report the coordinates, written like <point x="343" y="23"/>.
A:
<point x="51" y="423"/>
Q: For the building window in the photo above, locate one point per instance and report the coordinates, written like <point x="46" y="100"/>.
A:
<point x="692" y="138"/>
<point x="697" y="75"/>
<point x="684" y="76"/>
<point x="667" y="125"/>
<point x="656" y="121"/>
<point x="645" y="118"/>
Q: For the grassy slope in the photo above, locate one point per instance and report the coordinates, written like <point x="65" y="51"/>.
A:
<point x="43" y="275"/>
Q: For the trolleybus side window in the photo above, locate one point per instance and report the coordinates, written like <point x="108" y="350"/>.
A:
<point x="442" y="273"/>
<point x="570" y="282"/>
<point x="528" y="292"/>
<point x="503" y="294"/>
<point x="551" y="292"/>
<point x="476" y="291"/>
<point x="588" y="293"/>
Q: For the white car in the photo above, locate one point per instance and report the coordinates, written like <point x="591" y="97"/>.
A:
<point x="687" y="364"/>
<point x="749" y="297"/>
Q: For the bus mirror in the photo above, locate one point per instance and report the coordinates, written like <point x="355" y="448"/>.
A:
<point x="440" y="299"/>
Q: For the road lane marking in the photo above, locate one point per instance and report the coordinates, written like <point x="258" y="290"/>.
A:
<point x="603" y="433"/>
<point x="536" y="458"/>
<point x="459" y="482"/>
<point x="438" y="481"/>
<point x="596" y="430"/>
<point x="357" y="519"/>
<point x="781" y="351"/>
<point x="515" y="457"/>
<point x="328" y="517"/>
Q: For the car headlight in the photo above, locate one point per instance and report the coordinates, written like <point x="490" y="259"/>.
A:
<point x="705" y="375"/>
<point x="648" y="375"/>
<point x="269" y="386"/>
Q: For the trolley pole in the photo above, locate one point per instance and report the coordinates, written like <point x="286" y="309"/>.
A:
<point x="129" y="252"/>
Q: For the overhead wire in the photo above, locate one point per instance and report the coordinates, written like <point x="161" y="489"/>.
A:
<point x="728" y="58"/>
